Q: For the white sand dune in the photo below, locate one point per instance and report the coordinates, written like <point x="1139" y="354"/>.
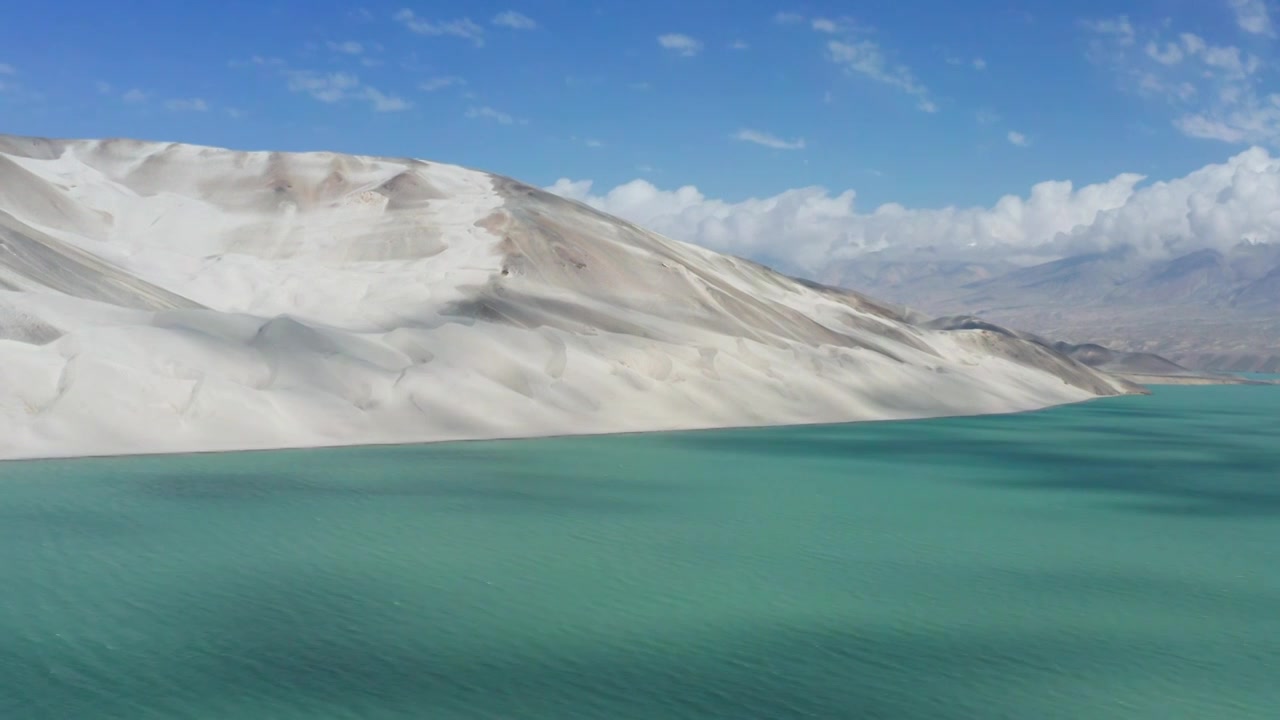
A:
<point x="162" y="298"/>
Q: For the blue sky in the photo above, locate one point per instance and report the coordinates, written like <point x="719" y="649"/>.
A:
<point x="921" y="102"/>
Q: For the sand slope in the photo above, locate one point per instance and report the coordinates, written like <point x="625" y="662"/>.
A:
<point x="159" y="297"/>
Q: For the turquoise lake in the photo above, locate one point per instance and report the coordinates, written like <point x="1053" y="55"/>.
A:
<point x="1116" y="559"/>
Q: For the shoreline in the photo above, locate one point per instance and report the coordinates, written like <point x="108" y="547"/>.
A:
<point x="518" y="438"/>
<point x="1140" y="380"/>
<point x="1192" y="379"/>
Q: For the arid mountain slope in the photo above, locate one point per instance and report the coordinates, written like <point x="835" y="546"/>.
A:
<point x="161" y="297"/>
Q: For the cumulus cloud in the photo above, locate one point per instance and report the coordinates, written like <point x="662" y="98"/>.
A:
<point x="680" y="44"/>
<point x="1252" y="16"/>
<point x="1017" y="138"/>
<point x="768" y="140"/>
<point x="134" y="96"/>
<point x="515" y="21"/>
<point x="788" y="18"/>
<point x="805" y="230"/>
<point x="1216" y="207"/>
<point x="187" y="105"/>
<point x="739" y="45"/>
<point x="461" y="28"/>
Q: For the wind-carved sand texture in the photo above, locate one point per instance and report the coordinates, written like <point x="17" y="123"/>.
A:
<point x="162" y="298"/>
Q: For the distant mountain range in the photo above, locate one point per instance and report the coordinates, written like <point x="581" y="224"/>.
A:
<point x="1206" y="309"/>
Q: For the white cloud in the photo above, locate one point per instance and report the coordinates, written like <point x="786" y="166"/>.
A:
<point x="337" y="87"/>
<point x="103" y="88"/>
<point x="739" y="45"/>
<point x="134" y="96"/>
<point x="864" y="57"/>
<point x="1215" y="207"/>
<point x="515" y="21"/>
<point x="806" y="229"/>
<point x="235" y="113"/>
<point x="325" y="87"/>
<point x="593" y="143"/>
<point x="1017" y="138"/>
<point x="488" y="113"/>
<point x="825" y="25"/>
<point x="1213" y="89"/>
<point x="977" y="63"/>
<point x="187" y="105"/>
<point x="680" y="44"/>
<point x="462" y="28"/>
<point x="768" y="140"/>
<point x="348" y="47"/>
<point x="7" y="69"/>
<point x="384" y="103"/>
<point x="1119" y="29"/>
<point x="1170" y="54"/>
<point x="256" y="60"/>
<point x="1226" y="59"/>
<point x="440" y="83"/>
<point x="1152" y="84"/>
<point x="1252" y="16"/>
<point x="986" y="117"/>
<point x="1198" y="126"/>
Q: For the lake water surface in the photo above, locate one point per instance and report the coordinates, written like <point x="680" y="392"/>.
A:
<point x="1117" y="559"/>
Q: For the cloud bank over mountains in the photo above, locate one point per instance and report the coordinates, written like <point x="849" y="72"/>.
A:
<point x="805" y="229"/>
